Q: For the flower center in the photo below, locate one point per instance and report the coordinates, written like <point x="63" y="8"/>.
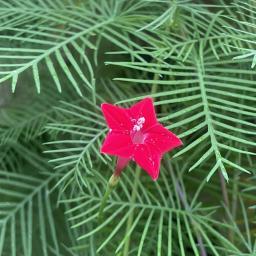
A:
<point x="136" y="134"/>
<point x="139" y="124"/>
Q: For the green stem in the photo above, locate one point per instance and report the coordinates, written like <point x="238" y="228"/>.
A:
<point x="135" y="187"/>
<point x="224" y="189"/>
<point x="110" y="187"/>
<point x="130" y="219"/>
<point x="154" y="86"/>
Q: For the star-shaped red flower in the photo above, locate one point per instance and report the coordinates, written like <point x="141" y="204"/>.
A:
<point x="135" y="134"/>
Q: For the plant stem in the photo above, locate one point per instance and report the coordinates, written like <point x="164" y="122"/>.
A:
<point x="154" y="88"/>
<point x="135" y="187"/>
<point x="224" y="189"/>
<point x="180" y="194"/>
<point x="226" y="202"/>
<point x="110" y="187"/>
<point x="130" y="219"/>
<point x="188" y="208"/>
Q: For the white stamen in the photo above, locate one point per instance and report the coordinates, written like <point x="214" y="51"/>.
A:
<point x="139" y="124"/>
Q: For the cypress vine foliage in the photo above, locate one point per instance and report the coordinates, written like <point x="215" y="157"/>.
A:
<point x="60" y="59"/>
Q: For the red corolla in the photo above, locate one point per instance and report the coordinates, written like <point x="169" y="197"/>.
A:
<point x="135" y="134"/>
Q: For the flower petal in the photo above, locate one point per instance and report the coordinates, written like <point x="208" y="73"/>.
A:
<point x="148" y="159"/>
<point x="121" y="164"/>
<point x="118" y="144"/>
<point x="144" y="108"/>
<point x="162" y="139"/>
<point x="117" y="118"/>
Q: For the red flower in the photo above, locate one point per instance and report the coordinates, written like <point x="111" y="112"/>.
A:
<point x="135" y="134"/>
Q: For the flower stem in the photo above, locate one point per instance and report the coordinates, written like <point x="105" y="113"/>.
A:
<point x="113" y="181"/>
<point x="130" y="219"/>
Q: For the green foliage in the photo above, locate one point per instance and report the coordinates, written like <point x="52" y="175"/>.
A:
<point x="59" y="60"/>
